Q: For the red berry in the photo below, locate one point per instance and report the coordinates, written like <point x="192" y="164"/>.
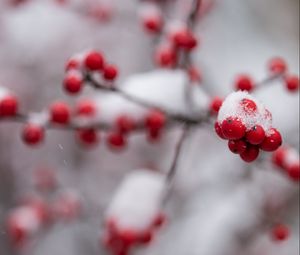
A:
<point x="277" y="65"/>
<point x="85" y="108"/>
<point x="110" y="72"/>
<point x="73" y="83"/>
<point x="215" y="105"/>
<point x="185" y="39"/>
<point x="88" y="136"/>
<point x="145" y="237"/>
<point x="233" y="128"/>
<point x="155" y="120"/>
<point x="60" y="113"/>
<point x="159" y="220"/>
<point x="125" y="124"/>
<point x="237" y="146"/>
<point x="32" y="134"/>
<point x="8" y="106"/>
<point x="244" y="82"/>
<point x="72" y="64"/>
<point x="194" y="74"/>
<point x="250" y="154"/>
<point x="292" y="82"/>
<point x="249" y="106"/>
<point x="94" y="61"/>
<point x="272" y="140"/>
<point x="278" y="157"/>
<point x="153" y="24"/>
<point x="280" y="232"/>
<point x="166" y="57"/>
<point x="128" y="237"/>
<point x="219" y="131"/>
<point x="116" y="140"/>
<point x="255" y="135"/>
<point x="154" y="135"/>
<point x="294" y="171"/>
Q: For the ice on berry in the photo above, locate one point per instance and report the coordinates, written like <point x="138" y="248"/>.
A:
<point x="25" y="218"/>
<point x="137" y="202"/>
<point x="246" y="108"/>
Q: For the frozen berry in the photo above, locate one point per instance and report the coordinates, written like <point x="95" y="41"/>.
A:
<point x="255" y="135"/>
<point x="272" y="141"/>
<point x="237" y="146"/>
<point x="249" y="106"/>
<point x="250" y="154"/>
<point x="233" y="128"/>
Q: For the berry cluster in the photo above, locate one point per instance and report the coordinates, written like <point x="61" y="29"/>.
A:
<point x="83" y="66"/>
<point x="277" y="68"/>
<point x="129" y="223"/>
<point x="36" y="212"/>
<point x="178" y="38"/>
<point x="175" y="37"/>
<point x="287" y="159"/>
<point x="26" y="220"/>
<point x="247" y="125"/>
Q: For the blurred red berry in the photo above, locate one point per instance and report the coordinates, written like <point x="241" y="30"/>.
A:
<point x="244" y="82"/>
<point x="277" y="65"/>
<point x="94" y="61"/>
<point x="33" y="134"/>
<point x="8" y="106"/>
<point x="292" y="83"/>
<point x="60" y="113"/>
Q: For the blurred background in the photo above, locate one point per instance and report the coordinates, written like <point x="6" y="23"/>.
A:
<point x="214" y="209"/>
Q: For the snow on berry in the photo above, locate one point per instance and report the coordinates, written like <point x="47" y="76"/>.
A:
<point x="242" y="117"/>
<point x="8" y="103"/>
<point x="287" y="158"/>
<point x="67" y="205"/>
<point x="134" y="212"/>
<point x="22" y="223"/>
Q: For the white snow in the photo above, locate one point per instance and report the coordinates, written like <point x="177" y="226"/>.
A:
<point x="137" y="201"/>
<point x="233" y="107"/>
<point x="3" y="92"/>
